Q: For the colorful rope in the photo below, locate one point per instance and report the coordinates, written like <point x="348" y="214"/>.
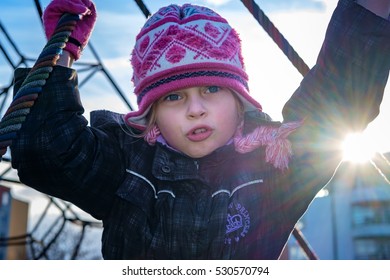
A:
<point x="31" y="87"/>
<point x="276" y="36"/>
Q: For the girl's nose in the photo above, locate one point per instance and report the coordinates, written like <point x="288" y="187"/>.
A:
<point x="196" y="106"/>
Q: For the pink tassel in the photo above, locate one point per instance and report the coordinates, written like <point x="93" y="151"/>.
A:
<point x="278" y="147"/>
<point x="151" y="136"/>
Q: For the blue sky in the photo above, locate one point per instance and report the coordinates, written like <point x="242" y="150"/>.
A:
<point x="272" y="77"/>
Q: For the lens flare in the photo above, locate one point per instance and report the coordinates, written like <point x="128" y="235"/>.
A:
<point x="358" y="147"/>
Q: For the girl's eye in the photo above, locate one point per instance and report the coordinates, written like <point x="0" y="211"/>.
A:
<point x="213" y="89"/>
<point x="172" y="97"/>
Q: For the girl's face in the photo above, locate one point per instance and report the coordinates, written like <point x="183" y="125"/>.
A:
<point x="198" y="120"/>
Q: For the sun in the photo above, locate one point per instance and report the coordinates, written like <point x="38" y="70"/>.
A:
<point x="358" y="147"/>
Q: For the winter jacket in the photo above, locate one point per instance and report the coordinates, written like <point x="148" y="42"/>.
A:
<point x="156" y="203"/>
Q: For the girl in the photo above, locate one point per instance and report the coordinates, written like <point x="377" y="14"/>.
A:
<point x="199" y="171"/>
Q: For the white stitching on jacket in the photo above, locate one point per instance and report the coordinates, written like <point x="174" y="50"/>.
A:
<point x="143" y="178"/>
<point x="237" y="188"/>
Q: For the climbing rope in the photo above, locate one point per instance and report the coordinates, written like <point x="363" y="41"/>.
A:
<point x="276" y="36"/>
<point x="30" y="89"/>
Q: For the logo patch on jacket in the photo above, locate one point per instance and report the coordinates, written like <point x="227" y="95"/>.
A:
<point x="238" y="223"/>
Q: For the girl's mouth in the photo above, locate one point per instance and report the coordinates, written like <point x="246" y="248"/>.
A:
<point x="199" y="133"/>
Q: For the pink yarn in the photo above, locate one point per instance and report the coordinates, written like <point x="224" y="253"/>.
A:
<point x="151" y="136"/>
<point x="278" y="147"/>
<point x="178" y="38"/>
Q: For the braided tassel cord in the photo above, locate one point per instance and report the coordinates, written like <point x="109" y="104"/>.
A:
<point x="30" y="89"/>
<point x="278" y="147"/>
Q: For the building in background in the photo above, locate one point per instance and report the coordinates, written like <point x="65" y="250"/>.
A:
<point x="350" y="219"/>
<point x="13" y="224"/>
<point x="5" y="209"/>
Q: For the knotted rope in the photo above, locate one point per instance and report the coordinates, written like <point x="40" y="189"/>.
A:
<point x="31" y="87"/>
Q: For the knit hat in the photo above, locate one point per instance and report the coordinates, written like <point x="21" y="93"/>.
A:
<point x="186" y="46"/>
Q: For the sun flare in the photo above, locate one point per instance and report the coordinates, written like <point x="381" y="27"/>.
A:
<point x="358" y="147"/>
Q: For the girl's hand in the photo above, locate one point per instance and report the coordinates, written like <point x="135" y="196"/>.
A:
<point x="80" y="35"/>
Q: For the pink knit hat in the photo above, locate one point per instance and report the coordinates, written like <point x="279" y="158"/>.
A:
<point x="186" y="46"/>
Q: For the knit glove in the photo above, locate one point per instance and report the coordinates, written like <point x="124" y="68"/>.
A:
<point x="80" y="35"/>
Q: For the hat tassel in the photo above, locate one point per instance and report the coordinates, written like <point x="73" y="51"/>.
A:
<point x="278" y="148"/>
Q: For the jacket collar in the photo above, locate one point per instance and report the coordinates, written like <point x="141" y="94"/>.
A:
<point x="172" y="165"/>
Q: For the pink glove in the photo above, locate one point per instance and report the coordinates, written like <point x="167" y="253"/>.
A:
<point x="80" y="35"/>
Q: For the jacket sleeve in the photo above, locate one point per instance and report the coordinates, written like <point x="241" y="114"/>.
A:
<point x="57" y="153"/>
<point x="341" y="93"/>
